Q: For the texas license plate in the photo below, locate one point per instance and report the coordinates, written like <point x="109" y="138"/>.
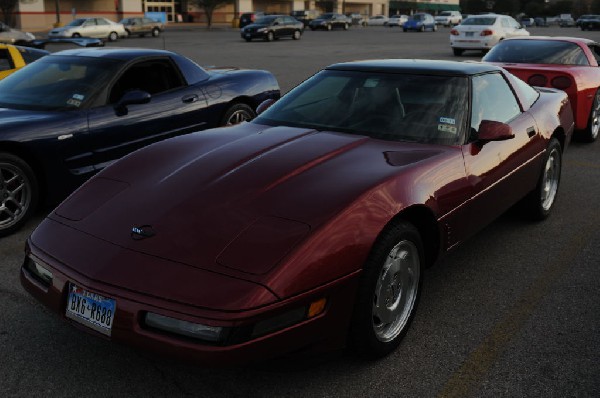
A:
<point x="91" y="309"/>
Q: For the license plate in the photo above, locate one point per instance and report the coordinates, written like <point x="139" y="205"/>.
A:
<point x="469" y="34"/>
<point x="248" y="35"/>
<point x="91" y="309"/>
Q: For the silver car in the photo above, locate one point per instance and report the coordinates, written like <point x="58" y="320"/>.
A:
<point x="14" y="36"/>
<point x="90" y="27"/>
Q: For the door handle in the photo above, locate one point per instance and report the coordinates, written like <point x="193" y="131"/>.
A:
<point x="530" y="132"/>
<point x="190" y="98"/>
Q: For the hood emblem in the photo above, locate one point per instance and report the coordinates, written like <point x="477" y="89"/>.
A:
<point x="142" y="232"/>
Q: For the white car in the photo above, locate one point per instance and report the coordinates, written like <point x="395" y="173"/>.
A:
<point x="397" y="20"/>
<point x="482" y="32"/>
<point x="448" y="18"/>
<point x="377" y="20"/>
<point x="90" y="27"/>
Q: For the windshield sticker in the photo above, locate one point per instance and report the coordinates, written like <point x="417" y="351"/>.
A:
<point x="371" y="82"/>
<point x="74" y="102"/>
<point x="79" y="97"/>
<point x="447" y="128"/>
<point x="447" y="120"/>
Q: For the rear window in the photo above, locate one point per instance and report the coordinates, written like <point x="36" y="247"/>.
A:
<point x="537" y="52"/>
<point x="484" y="21"/>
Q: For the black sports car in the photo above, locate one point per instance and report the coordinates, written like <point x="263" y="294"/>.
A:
<point x="69" y="114"/>
<point x="271" y="27"/>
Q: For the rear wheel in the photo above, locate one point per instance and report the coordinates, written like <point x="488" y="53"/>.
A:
<point x="237" y="113"/>
<point x="75" y="35"/>
<point x="540" y="201"/>
<point x="270" y="36"/>
<point x="18" y="193"/>
<point x="113" y="36"/>
<point x="434" y="28"/>
<point x="389" y="291"/>
<point x="591" y="132"/>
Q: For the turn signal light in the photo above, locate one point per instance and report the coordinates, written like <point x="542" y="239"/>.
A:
<point x="537" y="80"/>
<point x="561" y="82"/>
<point x="487" y="32"/>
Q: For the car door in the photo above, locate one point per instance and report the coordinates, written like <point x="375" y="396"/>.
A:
<point x="499" y="172"/>
<point x="174" y="109"/>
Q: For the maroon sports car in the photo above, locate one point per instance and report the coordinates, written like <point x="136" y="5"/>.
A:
<point x="307" y="228"/>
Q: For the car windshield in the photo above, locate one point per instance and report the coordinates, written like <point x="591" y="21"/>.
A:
<point x="76" y="22"/>
<point x="483" y="21"/>
<point x="56" y="83"/>
<point x="393" y="107"/>
<point x="265" y="20"/>
<point x="537" y="52"/>
<point x="417" y="17"/>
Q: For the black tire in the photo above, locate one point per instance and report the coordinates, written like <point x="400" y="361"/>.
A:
<point x="269" y="36"/>
<point x="538" y="204"/>
<point x="434" y="28"/>
<point x="75" y="35"/>
<point x="422" y="28"/>
<point x="345" y="26"/>
<point x="155" y="32"/>
<point x="237" y="113"/>
<point x="19" y="193"/>
<point x="329" y="27"/>
<point x="457" y="51"/>
<point x="404" y="30"/>
<point x="590" y="134"/>
<point x="248" y="39"/>
<point x="296" y="35"/>
<point x="311" y="28"/>
<point x="113" y="36"/>
<point x="391" y="279"/>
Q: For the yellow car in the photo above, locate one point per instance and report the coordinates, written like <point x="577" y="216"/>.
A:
<point x="13" y="58"/>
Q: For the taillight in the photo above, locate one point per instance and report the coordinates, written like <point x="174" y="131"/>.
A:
<point x="252" y="17"/>
<point x="486" y="32"/>
<point x="538" y="80"/>
<point x="454" y="32"/>
<point x="561" y="82"/>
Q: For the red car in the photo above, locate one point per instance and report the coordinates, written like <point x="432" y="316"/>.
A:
<point x="566" y="63"/>
<point x="307" y="228"/>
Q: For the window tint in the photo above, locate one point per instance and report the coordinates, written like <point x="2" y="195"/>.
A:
<point x="5" y="60"/>
<point x="537" y="52"/>
<point x="595" y="52"/>
<point x="492" y="100"/>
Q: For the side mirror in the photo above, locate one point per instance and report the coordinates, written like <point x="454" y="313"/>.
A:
<point x="490" y="130"/>
<point x="264" y="106"/>
<point x="133" y="97"/>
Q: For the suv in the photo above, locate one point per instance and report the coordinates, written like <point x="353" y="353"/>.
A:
<point x="249" y="17"/>
<point x="448" y="18"/>
<point x="305" y="16"/>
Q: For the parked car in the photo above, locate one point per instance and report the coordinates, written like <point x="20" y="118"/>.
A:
<point x="566" y="63"/>
<point x="592" y="22"/>
<point x="142" y="26"/>
<point x="329" y="21"/>
<point x="246" y="246"/>
<point x="566" y="21"/>
<point x="482" y="32"/>
<point x="527" y="22"/>
<point x="272" y="27"/>
<point x="539" y="21"/>
<point x="249" y="17"/>
<point x="13" y="58"/>
<point x="420" y="22"/>
<point x="448" y="18"/>
<point x="357" y="19"/>
<point x="90" y="27"/>
<point x="397" y="20"/>
<point x="305" y="16"/>
<point x="9" y="35"/>
<point x="377" y="20"/>
<point x="69" y="114"/>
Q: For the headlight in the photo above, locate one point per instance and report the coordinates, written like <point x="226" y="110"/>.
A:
<point x="39" y="272"/>
<point x="184" y="328"/>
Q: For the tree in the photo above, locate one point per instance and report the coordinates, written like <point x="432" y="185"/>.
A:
<point x="209" y="6"/>
<point x="7" y="7"/>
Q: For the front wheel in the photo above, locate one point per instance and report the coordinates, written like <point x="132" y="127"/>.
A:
<point x="345" y="26"/>
<point x="434" y="28"/>
<point x="539" y="202"/>
<point x="155" y="32"/>
<point x="329" y="27"/>
<point x="270" y="36"/>
<point x="18" y="193"/>
<point x="591" y="132"/>
<point x="75" y="35"/>
<point x="389" y="291"/>
<point x="422" y="28"/>
<point x="113" y="36"/>
<point x="237" y="113"/>
<point x="297" y="34"/>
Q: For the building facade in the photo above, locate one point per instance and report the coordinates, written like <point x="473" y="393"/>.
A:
<point x="43" y="14"/>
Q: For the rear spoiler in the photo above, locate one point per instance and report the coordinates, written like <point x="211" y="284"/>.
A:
<point x="80" y="41"/>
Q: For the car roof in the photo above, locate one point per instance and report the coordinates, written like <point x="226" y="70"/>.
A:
<point x="417" y="66"/>
<point x="578" y="40"/>
<point x="113" y="52"/>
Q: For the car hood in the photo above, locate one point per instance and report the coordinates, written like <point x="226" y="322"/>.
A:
<point x="194" y="198"/>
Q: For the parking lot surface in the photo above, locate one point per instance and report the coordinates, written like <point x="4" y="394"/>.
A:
<point x="511" y="313"/>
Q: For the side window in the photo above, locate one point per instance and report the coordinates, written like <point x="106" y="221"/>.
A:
<point x="5" y="60"/>
<point x="504" y="23"/>
<point x="595" y="52"/>
<point x="154" y="77"/>
<point x="492" y="100"/>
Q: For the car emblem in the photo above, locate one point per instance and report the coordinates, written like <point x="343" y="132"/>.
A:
<point x="142" y="232"/>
